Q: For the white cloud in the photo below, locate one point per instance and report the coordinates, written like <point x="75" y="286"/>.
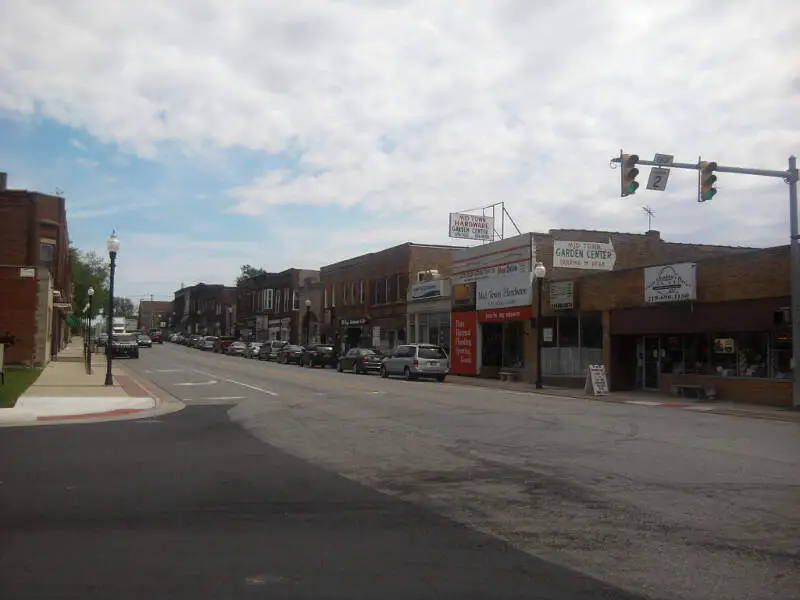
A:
<point x="416" y="108"/>
<point x="86" y="162"/>
<point x="79" y="145"/>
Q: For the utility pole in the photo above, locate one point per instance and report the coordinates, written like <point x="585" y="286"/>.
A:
<point x="706" y="180"/>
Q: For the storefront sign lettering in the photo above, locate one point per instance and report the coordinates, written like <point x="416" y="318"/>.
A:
<point x="426" y="289"/>
<point x="511" y="289"/>
<point x="353" y="322"/>
<point x="505" y="314"/>
<point x="463" y="334"/>
<point x="598" y="256"/>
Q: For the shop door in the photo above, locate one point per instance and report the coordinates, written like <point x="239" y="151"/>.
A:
<point x="652" y="362"/>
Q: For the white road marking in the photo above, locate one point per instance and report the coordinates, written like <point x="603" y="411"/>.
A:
<point x="233" y="381"/>
<point x="212" y="382"/>
<point x="164" y="371"/>
<point x="644" y="403"/>
<point x="215" y="398"/>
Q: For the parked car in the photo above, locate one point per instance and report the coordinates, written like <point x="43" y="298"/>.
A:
<point x="208" y="343"/>
<point x="319" y="355"/>
<point x="221" y="343"/>
<point x="252" y="350"/>
<point x="156" y="336"/>
<point x="413" y="361"/>
<point x="360" y="360"/>
<point x="124" y="345"/>
<point x="290" y="354"/>
<point x="236" y="349"/>
<point x="145" y="341"/>
<point x="102" y="339"/>
<point x="271" y="350"/>
<point x="193" y="341"/>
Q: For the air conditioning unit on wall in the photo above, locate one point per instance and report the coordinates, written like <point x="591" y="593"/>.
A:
<point x="428" y="275"/>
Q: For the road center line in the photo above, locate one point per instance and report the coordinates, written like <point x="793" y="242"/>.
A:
<point x="233" y="381"/>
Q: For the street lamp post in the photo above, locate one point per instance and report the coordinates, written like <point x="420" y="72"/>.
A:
<point x="539" y="271"/>
<point x="308" y="320"/>
<point x="90" y="293"/>
<point x="112" y="245"/>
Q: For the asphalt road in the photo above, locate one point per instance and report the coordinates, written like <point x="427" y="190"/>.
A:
<point x="191" y="506"/>
<point x="663" y="503"/>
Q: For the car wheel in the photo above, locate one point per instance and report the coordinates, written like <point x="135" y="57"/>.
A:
<point x="384" y="372"/>
<point x="440" y="378"/>
<point x="355" y="368"/>
<point x="407" y="374"/>
<point x="339" y="367"/>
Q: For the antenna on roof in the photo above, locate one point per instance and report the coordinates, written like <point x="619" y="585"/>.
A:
<point x="650" y="216"/>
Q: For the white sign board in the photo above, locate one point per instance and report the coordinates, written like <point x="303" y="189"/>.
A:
<point x="663" y="159"/>
<point x="670" y="283"/>
<point x="504" y="291"/>
<point x="511" y="255"/>
<point x="562" y="295"/>
<point x="658" y="179"/>
<point x="596" y="381"/>
<point x="597" y="256"/>
<point x="426" y="289"/>
<point x="376" y="337"/>
<point x="471" y="227"/>
<point x="27" y="272"/>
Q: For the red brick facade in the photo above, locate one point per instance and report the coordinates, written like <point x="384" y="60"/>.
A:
<point x="17" y="313"/>
<point x="33" y="228"/>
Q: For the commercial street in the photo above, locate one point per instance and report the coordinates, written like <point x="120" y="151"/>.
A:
<point x="666" y="503"/>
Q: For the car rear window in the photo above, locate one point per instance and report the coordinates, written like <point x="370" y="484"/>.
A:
<point x="431" y="353"/>
<point x="125" y="337"/>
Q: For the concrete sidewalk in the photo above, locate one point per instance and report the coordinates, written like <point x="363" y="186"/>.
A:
<point x="640" y="399"/>
<point x="66" y="392"/>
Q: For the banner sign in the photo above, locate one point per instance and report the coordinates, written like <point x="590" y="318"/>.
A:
<point x="597" y="256"/>
<point x="463" y="343"/>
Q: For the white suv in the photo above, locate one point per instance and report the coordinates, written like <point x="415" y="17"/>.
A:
<point x="416" y="360"/>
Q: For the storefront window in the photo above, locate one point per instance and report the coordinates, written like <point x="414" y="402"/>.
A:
<point x="781" y="356"/>
<point x="753" y="354"/>
<point x="591" y="330"/>
<point x="568" y="336"/>
<point x="513" y="345"/>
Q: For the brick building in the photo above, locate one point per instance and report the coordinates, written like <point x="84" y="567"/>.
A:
<point x="36" y="283"/>
<point x="204" y="309"/>
<point x="364" y="299"/>
<point x="269" y="305"/>
<point x="152" y="313"/>
<point x="493" y="333"/>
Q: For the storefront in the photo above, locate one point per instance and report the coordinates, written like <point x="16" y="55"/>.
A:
<point x="354" y="333"/>
<point x="741" y="348"/>
<point x="428" y="318"/>
<point x="279" y="329"/>
<point x="495" y="336"/>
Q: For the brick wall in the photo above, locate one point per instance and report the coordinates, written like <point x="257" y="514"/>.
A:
<point x="16" y="214"/>
<point x="755" y="274"/>
<point x="632" y="250"/>
<point x="18" y="314"/>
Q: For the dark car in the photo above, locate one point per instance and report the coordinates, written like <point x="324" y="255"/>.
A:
<point x="290" y="354"/>
<point x="319" y="355"/>
<point x="145" y="341"/>
<point x="361" y="360"/>
<point x="156" y="337"/>
<point x="125" y="345"/>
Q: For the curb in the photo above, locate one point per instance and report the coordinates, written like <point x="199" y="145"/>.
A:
<point x="781" y="415"/>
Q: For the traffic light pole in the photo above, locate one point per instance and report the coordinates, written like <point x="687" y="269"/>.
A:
<point x="790" y="176"/>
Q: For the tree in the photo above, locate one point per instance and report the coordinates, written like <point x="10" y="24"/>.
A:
<point x="123" y="307"/>
<point x="88" y="270"/>
<point x="248" y="271"/>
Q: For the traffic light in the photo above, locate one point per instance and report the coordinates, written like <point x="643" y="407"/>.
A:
<point x="629" y="173"/>
<point x="707" y="179"/>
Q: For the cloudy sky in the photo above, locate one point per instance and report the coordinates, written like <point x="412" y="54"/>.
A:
<point x="212" y="133"/>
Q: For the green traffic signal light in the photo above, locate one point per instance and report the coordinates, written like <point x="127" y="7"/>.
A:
<point x="632" y="186"/>
<point x="709" y="194"/>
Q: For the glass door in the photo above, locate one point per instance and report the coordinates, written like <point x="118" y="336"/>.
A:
<point x="652" y="362"/>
